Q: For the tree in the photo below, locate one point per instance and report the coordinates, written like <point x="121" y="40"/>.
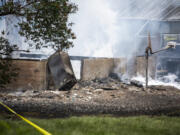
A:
<point x="43" y="23"/>
<point x="7" y="71"/>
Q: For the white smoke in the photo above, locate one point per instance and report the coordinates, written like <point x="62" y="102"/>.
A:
<point x="102" y="28"/>
<point x="102" y="31"/>
<point x="168" y="80"/>
<point x="96" y="29"/>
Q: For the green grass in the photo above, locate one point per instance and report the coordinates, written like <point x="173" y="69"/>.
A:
<point x="94" y="125"/>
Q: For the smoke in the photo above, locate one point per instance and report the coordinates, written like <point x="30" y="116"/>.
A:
<point x="96" y="29"/>
<point x="119" y="28"/>
<point x="2" y="25"/>
<point x="12" y="32"/>
<point x="168" y="80"/>
<point x="99" y="31"/>
<point x="111" y="28"/>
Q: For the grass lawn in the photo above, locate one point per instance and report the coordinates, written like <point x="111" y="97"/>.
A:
<point x="94" y="125"/>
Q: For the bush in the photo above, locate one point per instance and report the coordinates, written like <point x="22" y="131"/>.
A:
<point x="7" y="71"/>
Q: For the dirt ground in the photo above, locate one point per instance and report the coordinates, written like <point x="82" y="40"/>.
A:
<point x="97" y="97"/>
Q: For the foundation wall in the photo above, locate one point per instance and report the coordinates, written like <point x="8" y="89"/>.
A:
<point x="101" y="67"/>
<point x="31" y="75"/>
<point x="35" y="75"/>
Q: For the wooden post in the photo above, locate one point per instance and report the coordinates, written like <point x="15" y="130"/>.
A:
<point x="149" y="50"/>
<point x="147" y="57"/>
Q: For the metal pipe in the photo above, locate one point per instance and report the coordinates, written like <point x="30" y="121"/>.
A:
<point x="149" y="50"/>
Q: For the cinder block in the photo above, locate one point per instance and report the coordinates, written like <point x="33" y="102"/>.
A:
<point x="96" y="68"/>
<point x="31" y="75"/>
<point x="101" y="67"/>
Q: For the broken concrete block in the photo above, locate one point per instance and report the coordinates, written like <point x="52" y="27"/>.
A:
<point x="136" y="83"/>
<point x="61" y="72"/>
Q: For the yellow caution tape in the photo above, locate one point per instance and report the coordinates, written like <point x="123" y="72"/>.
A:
<point x="44" y="132"/>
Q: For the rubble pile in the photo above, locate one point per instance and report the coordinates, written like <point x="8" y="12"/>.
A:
<point x="99" y="96"/>
<point x="105" y="84"/>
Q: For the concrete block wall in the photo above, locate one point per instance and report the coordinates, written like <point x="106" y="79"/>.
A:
<point x="31" y="75"/>
<point x="52" y="73"/>
<point x="101" y="67"/>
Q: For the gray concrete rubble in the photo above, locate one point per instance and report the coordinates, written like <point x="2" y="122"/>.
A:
<point x="98" y="96"/>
